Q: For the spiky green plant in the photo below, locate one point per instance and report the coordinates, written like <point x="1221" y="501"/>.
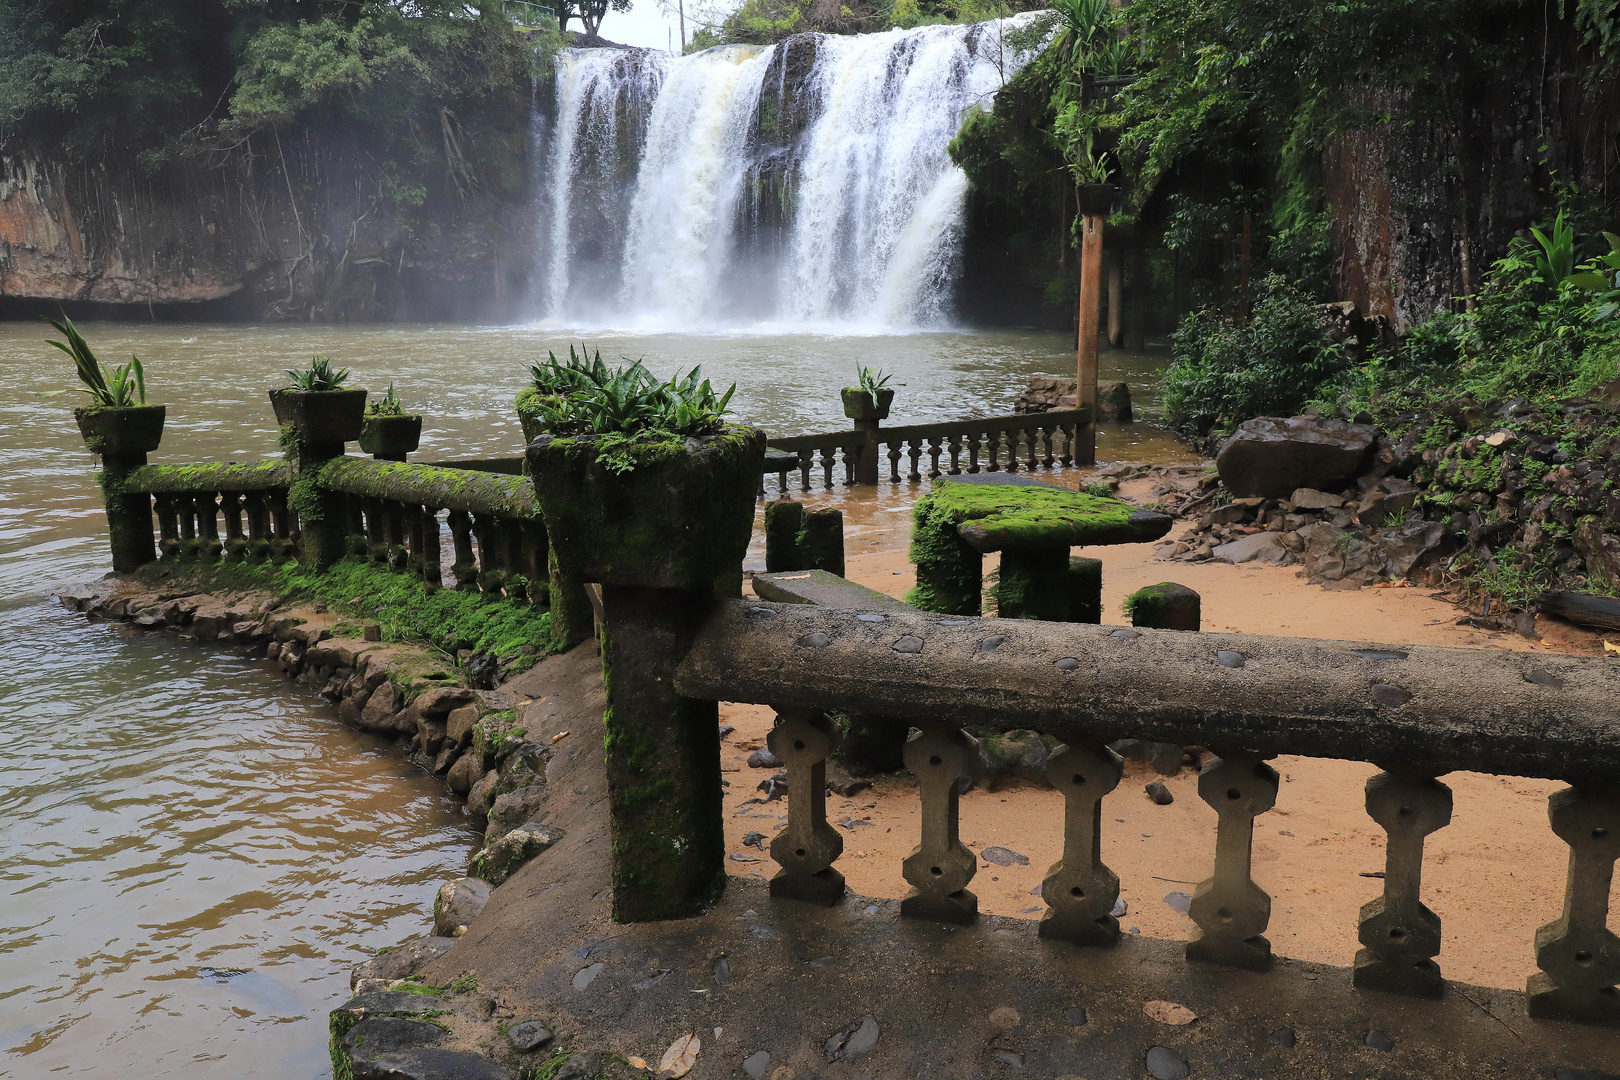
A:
<point x="116" y="387"/>
<point x="320" y="375"/>
<point x="387" y="405"/>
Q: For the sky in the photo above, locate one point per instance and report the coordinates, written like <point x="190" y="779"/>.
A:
<point x="645" y="25"/>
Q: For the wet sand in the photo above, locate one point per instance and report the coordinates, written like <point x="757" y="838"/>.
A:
<point x="1493" y="876"/>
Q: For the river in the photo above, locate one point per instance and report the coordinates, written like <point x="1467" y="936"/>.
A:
<point x="193" y="853"/>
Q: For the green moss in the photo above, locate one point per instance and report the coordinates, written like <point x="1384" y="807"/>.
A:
<point x="950" y="574"/>
<point x="1166" y="606"/>
<point x="1031" y="517"/>
<point x="361" y="591"/>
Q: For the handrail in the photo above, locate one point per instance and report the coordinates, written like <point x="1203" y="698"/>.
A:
<point x="467" y="490"/>
<point x="209" y="476"/>
<point x="1422" y="706"/>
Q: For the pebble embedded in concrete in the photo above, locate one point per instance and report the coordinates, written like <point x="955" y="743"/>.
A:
<point x="817" y="640"/>
<point x="1393" y="696"/>
<point x="991" y="644"/>
<point x="1165" y="1064"/>
<point x="1229" y="658"/>
<point x="908" y="644"/>
<point x="1066" y="663"/>
<point x="856" y="1040"/>
<point x="1075" y="1017"/>
<point x="1159" y="793"/>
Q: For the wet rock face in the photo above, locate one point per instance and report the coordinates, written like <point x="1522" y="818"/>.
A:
<point x="401" y="961"/>
<point x="458" y="903"/>
<point x="1271" y="457"/>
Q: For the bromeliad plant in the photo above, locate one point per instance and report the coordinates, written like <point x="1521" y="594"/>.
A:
<point x="320" y="375"/>
<point x="387" y="405"/>
<point x="118" y="387"/>
<point x="871" y="379"/>
<point x="623" y="408"/>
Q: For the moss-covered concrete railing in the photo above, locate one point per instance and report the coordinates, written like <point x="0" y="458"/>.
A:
<point x="1027" y="441"/>
<point x="191" y="501"/>
<point x="1417" y="712"/>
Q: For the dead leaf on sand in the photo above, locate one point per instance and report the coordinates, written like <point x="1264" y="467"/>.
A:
<point x="679" y="1058"/>
<point x="1168" y="1012"/>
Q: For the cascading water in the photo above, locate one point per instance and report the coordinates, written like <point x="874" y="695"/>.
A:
<point x="805" y="183"/>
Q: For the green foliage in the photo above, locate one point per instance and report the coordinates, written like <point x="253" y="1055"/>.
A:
<point x="624" y="408"/>
<point x="1556" y="260"/>
<point x="387" y="405"/>
<point x="117" y="388"/>
<point x="320" y="375"/>
<point x="871" y="379"/>
<point x="1224" y="372"/>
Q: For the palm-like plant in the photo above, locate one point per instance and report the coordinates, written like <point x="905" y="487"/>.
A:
<point x="115" y="388"/>
<point x="320" y="375"/>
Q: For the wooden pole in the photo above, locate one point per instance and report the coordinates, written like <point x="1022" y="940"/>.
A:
<point x="1085" y="439"/>
<point x="1116" y="298"/>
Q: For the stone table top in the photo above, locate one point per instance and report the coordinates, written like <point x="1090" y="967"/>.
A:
<point x="1007" y="512"/>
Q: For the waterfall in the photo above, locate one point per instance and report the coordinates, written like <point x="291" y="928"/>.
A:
<point x="804" y="184"/>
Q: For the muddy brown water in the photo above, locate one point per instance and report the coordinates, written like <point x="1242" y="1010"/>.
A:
<point x="193" y="853"/>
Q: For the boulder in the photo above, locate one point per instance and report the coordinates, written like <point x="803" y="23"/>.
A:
<point x="501" y="859"/>
<point x="1257" y="547"/>
<point x="402" y="960"/>
<point x="1020" y="752"/>
<point x="437" y="704"/>
<point x="379" y="1035"/>
<point x="1600" y="549"/>
<point x="378" y="715"/>
<point x="482" y="792"/>
<point x="459" y="723"/>
<point x="1310" y="499"/>
<point x="457" y="904"/>
<point x="429" y="736"/>
<point x="512" y="809"/>
<point x="430" y="1063"/>
<point x="1273" y="457"/>
<point x="464" y="773"/>
<point x="528" y="1037"/>
<point x="1404" y="546"/>
<point x="1114" y="402"/>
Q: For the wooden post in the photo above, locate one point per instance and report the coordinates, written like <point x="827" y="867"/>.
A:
<point x="1116" y="298"/>
<point x="1085" y="437"/>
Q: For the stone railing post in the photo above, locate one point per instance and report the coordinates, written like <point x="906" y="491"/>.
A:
<point x="1579" y="956"/>
<point x="655" y="539"/>
<point x="321" y="422"/>
<point x="123" y="437"/>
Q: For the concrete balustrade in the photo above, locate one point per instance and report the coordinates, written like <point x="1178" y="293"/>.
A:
<point x="1433" y="710"/>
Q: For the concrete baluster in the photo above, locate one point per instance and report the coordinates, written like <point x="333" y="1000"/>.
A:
<point x="807" y="848"/>
<point x="168" y="516"/>
<point x="1231" y="911"/>
<point x="941" y="866"/>
<point x="258" y="524"/>
<point x="355" y="515"/>
<point x="432" y="557"/>
<point x="465" y="566"/>
<point x="376" y="534"/>
<point x="1401" y="935"/>
<point x="230" y="508"/>
<point x="491" y="564"/>
<point x="283" y="546"/>
<point x="1079" y="890"/>
<point x="1578" y="956"/>
<point x="187" y="509"/>
<point x="208" y="543"/>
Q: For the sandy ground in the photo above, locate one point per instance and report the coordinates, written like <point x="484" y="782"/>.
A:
<point x="1494" y="875"/>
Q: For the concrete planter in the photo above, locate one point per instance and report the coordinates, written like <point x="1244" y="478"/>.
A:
<point x="136" y="429"/>
<point x="681" y="517"/>
<point x="864" y="405"/>
<point x="391" y="438"/>
<point x="322" y="417"/>
<point x="1095" y="199"/>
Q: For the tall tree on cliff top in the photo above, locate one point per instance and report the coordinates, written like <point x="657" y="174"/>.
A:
<point x="590" y="13"/>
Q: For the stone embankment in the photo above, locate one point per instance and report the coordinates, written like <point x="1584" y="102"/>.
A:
<point x="476" y="741"/>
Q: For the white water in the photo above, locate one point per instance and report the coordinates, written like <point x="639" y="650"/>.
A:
<point x="854" y="222"/>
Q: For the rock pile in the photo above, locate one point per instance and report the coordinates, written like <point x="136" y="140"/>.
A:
<point x="1045" y="393"/>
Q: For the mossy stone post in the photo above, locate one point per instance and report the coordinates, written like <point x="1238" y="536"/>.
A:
<point x="1085" y="590"/>
<point x="321" y="422"/>
<point x="655" y="539"/>
<point x="868" y="409"/>
<point x="1165" y="606"/>
<point x="123" y="438"/>
<point x="1034" y="585"/>
<point x="796" y="540"/>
